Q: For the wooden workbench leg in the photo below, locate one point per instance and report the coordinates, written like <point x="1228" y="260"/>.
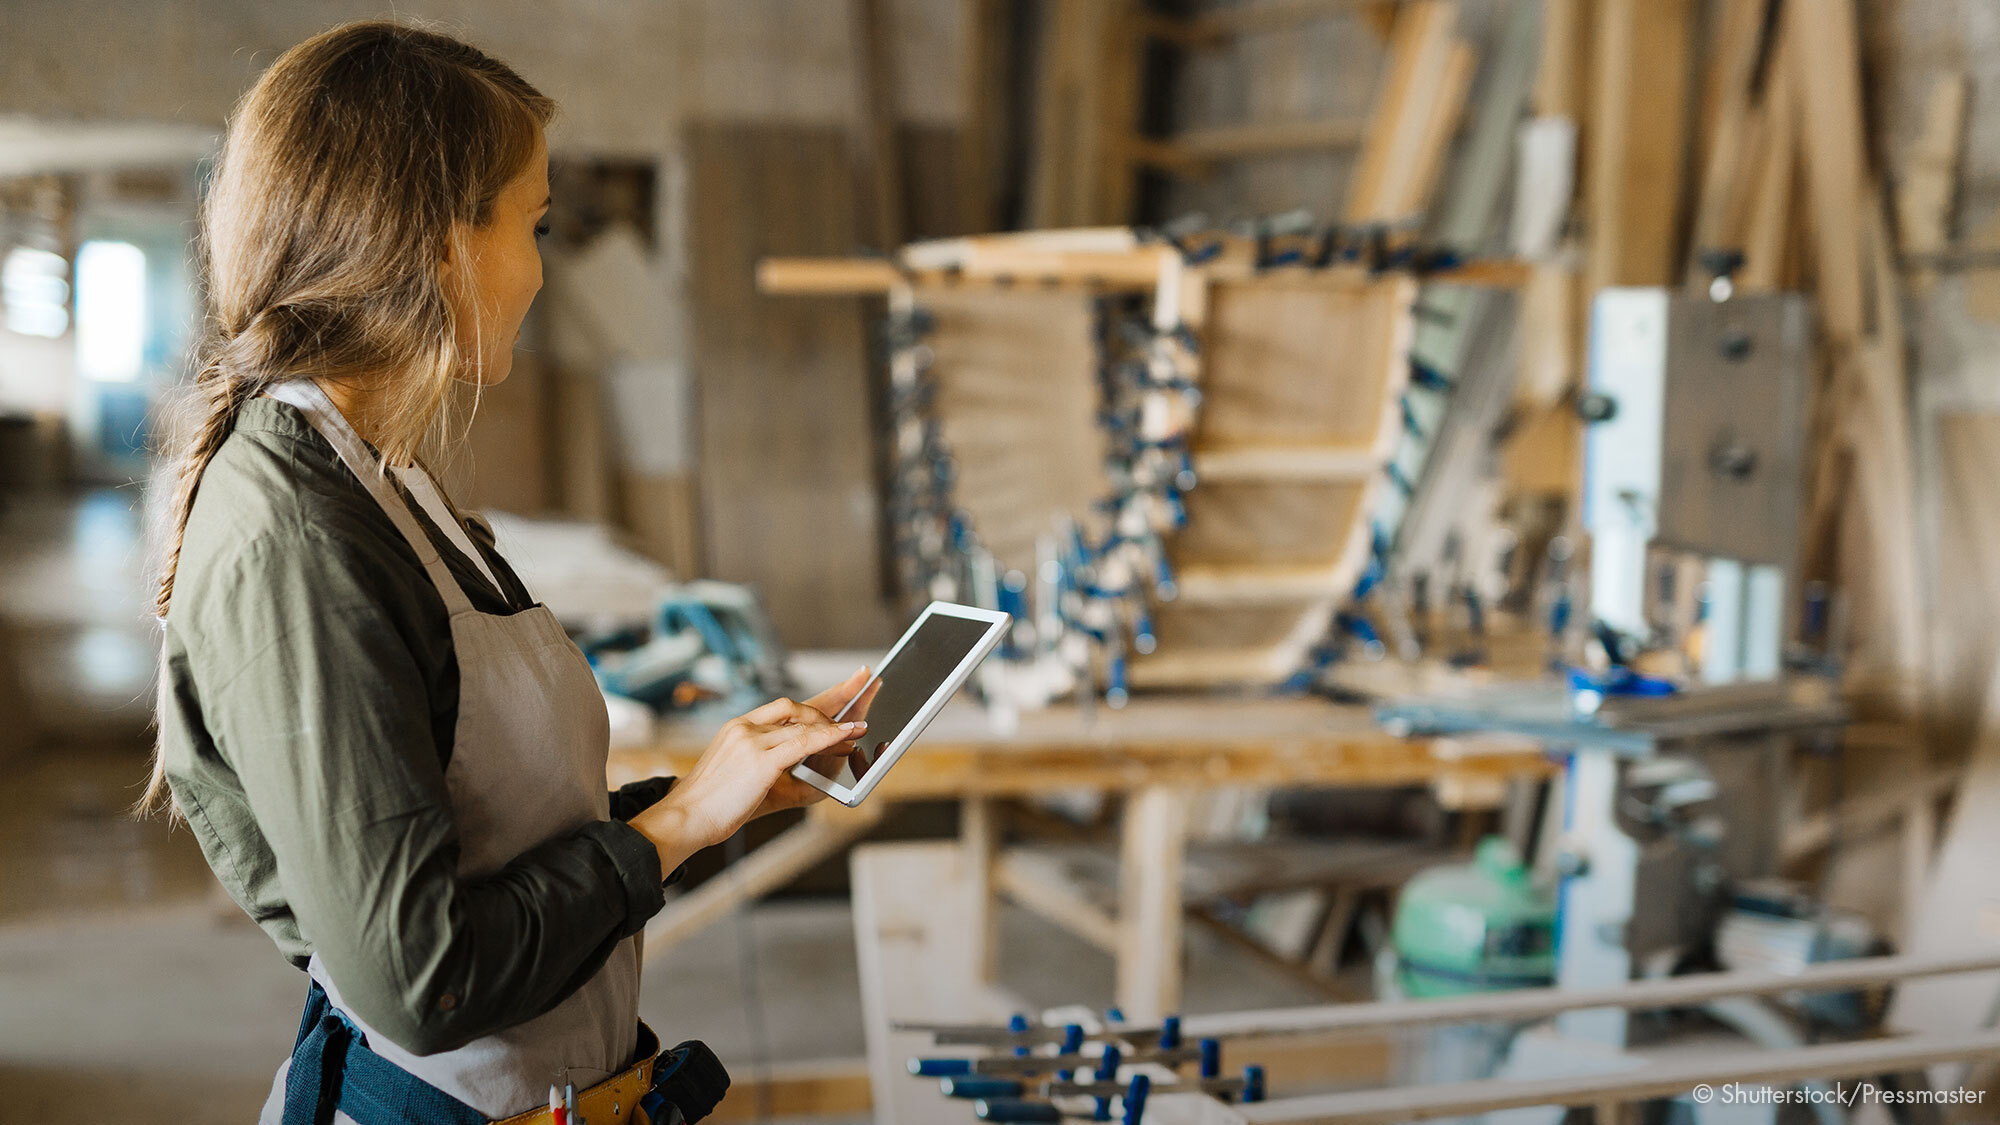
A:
<point x="979" y="834"/>
<point x="1153" y="851"/>
<point x="827" y="828"/>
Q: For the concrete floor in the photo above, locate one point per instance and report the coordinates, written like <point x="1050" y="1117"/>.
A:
<point x="124" y="974"/>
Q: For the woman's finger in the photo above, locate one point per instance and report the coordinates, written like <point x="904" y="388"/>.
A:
<point x="830" y="701"/>
<point x="782" y="710"/>
<point x="859" y="708"/>
<point x="800" y="741"/>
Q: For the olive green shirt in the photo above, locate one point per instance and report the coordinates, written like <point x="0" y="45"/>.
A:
<point x="307" y="710"/>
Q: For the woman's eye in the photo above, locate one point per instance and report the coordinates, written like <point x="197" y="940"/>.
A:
<point x="541" y="230"/>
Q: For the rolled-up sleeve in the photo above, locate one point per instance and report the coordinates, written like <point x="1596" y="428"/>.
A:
<point x="320" y="706"/>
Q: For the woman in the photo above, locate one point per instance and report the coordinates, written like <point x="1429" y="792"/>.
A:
<point x="393" y="758"/>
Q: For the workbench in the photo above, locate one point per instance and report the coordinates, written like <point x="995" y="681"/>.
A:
<point x="1157" y="753"/>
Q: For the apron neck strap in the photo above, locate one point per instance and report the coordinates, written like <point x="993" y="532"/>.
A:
<point x="325" y="417"/>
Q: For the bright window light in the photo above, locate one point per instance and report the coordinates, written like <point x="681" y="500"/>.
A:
<point x="110" y="311"/>
<point x="34" y="286"/>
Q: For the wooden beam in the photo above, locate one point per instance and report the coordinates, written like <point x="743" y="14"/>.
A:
<point x="783" y="858"/>
<point x="1194" y="151"/>
<point x="1726" y="127"/>
<point x="1032" y="885"/>
<point x="1826" y="64"/>
<point x="1416" y="81"/>
<point x="1764" y="230"/>
<point x="1153" y="851"/>
<point x="1133" y="271"/>
<point x="1930" y="177"/>
<point x="1214" y="29"/>
<point x="1537" y="1003"/>
<point x="1638" y="124"/>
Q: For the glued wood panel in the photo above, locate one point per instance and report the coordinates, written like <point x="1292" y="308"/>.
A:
<point x="1016" y="377"/>
<point x="1268" y="522"/>
<point x="786" y="395"/>
<point x="1298" y="364"/>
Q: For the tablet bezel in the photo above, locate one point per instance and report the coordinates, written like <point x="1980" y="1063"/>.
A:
<point x="996" y="627"/>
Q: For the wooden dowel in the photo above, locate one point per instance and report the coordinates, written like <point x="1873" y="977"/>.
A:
<point x="1529" y="1004"/>
<point x="1721" y="1069"/>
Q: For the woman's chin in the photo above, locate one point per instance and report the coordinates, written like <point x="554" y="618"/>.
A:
<point x="497" y="369"/>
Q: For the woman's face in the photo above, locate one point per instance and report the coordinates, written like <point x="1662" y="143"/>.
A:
<point x="500" y="271"/>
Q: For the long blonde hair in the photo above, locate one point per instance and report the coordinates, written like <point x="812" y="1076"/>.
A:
<point x="349" y="170"/>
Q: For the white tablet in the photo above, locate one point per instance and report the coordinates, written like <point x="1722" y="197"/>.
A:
<point x="920" y="674"/>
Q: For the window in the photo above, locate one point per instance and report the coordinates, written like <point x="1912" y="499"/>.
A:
<point x="34" y="287"/>
<point x="110" y="311"/>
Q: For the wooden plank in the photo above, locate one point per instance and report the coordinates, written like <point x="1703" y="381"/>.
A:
<point x="1417" y="182"/>
<point x="1561" y="77"/>
<point x="1826" y="65"/>
<point x="1638" y="120"/>
<point x="1288" y="462"/>
<point x="1726" y="126"/>
<point x="826" y="830"/>
<point x="1930" y="176"/>
<point x="1033" y="885"/>
<point x="1191" y="741"/>
<point x="1420" y="62"/>
<point x="1216" y="28"/>
<point x="917" y="965"/>
<point x="785" y="404"/>
<point x="1657" y="994"/>
<point x="1151" y="855"/>
<point x="1966" y="577"/>
<point x="827" y="277"/>
<point x="1764" y="231"/>
<point x="1240" y="585"/>
<point x="1193" y="151"/>
<point x="979" y="835"/>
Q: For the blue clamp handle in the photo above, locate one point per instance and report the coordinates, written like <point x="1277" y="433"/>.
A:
<point x="1253" y="1083"/>
<point x="1211" y="1058"/>
<point x="1170" y="1033"/>
<point x="1135" y="1099"/>
<point x="940" y="1068"/>
<point x="979" y="1086"/>
<point x="1014" y="1109"/>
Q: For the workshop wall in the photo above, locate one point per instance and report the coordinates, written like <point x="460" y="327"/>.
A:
<point x="755" y="73"/>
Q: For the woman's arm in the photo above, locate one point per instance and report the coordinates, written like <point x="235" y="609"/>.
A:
<point x="316" y="699"/>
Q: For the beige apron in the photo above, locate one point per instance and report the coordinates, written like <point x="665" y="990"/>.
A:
<point x="527" y="766"/>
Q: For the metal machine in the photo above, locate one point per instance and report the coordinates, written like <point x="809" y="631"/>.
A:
<point x="1694" y="465"/>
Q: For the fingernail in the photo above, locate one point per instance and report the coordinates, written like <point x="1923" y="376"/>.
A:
<point x="854" y="726"/>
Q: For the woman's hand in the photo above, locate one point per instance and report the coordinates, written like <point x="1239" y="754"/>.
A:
<point x="790" y="792"/>
<point x="736" y="775"/>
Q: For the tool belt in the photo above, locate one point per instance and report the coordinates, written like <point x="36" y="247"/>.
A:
<point x="333" y="1069"/>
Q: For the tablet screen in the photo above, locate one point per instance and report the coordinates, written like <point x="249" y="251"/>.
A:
<point x="909" y="680"/>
